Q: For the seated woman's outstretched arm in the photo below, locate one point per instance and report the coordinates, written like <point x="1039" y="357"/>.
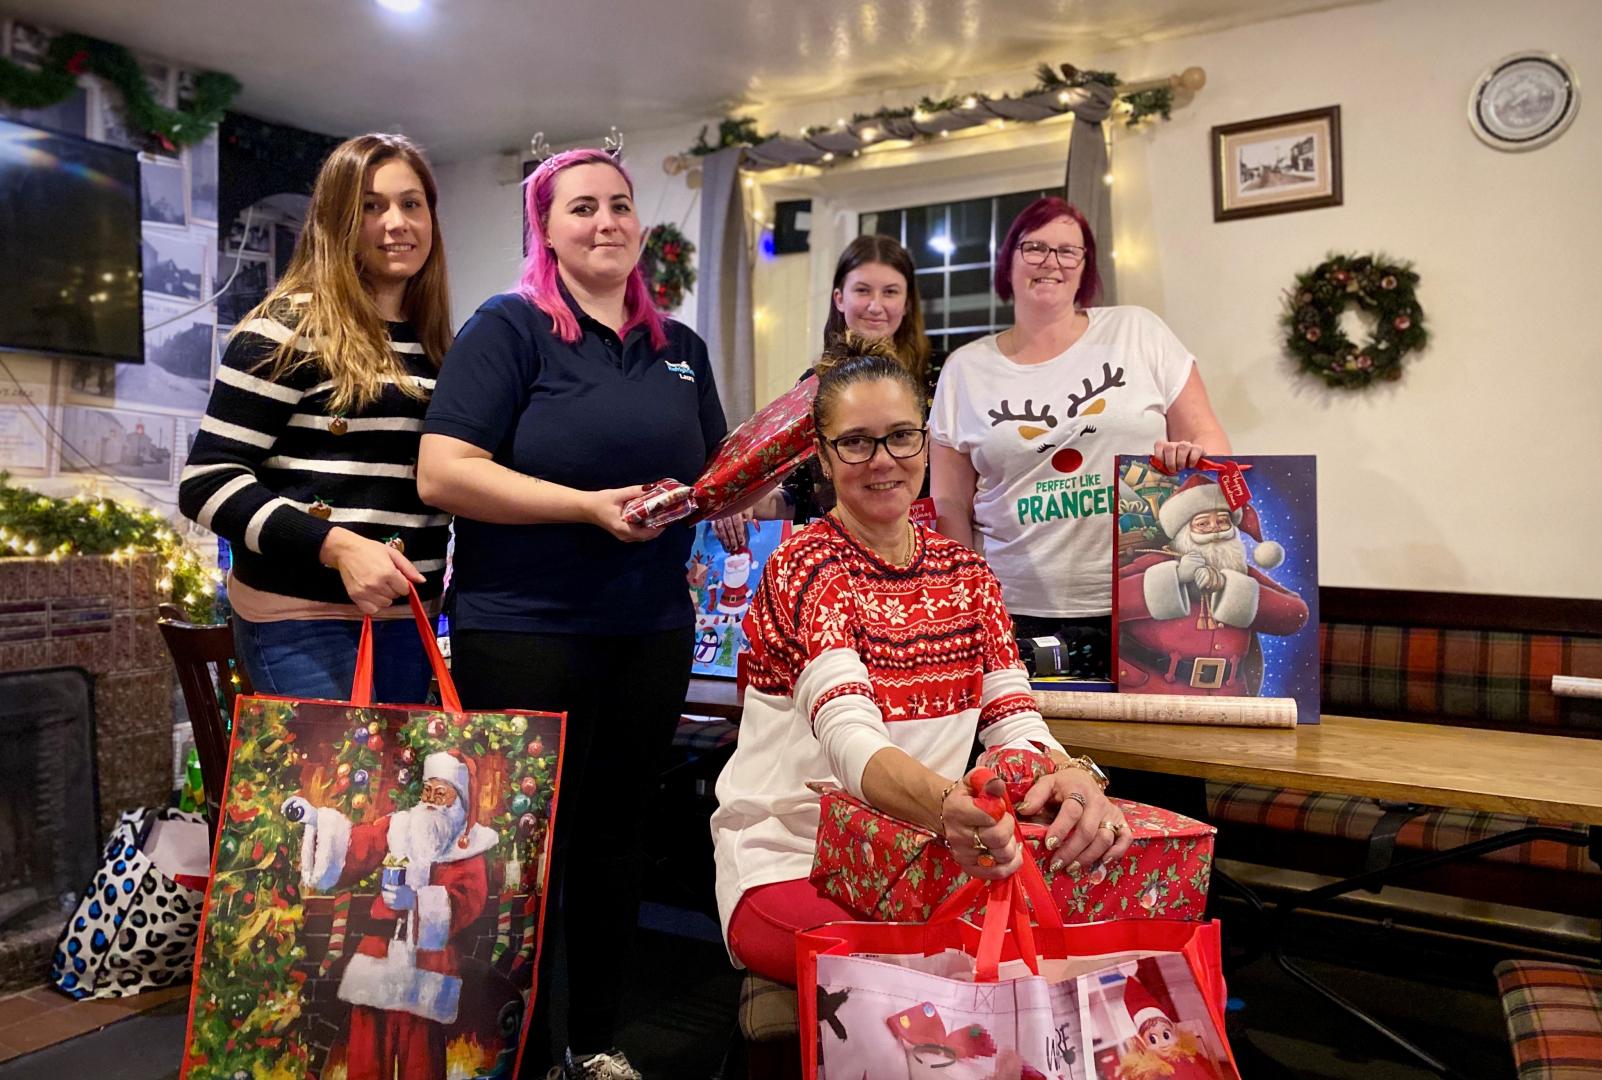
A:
<point x="1086" y="829"/>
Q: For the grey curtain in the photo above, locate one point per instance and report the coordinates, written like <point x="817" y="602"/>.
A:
<point x="723" y="289"/>
<point x="1085" y="188"/>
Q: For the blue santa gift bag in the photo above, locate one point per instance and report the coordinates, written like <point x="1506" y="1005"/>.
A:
<point x="377" y="887"/>
<point x="1215" y="579"/>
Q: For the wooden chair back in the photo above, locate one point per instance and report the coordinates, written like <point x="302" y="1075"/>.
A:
<point x="203" y="656"/>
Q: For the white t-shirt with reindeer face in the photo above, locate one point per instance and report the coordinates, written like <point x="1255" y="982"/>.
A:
<point x="1042" y="438"/>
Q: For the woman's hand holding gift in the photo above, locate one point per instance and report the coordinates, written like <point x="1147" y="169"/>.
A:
<point x="979" y="831"/>
<point x="1087" y="830"/>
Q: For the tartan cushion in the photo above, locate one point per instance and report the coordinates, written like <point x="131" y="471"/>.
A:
<point x="1353" y="817"/>
<point x="1554" y="1018"/>
<point x="704" y="733"/>
<point x="1430" y="673"/>
<point x="768" y="1009"/>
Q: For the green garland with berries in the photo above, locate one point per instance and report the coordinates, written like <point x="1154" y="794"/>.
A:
<point x="1381" y="287"/>
<point x="72" y="55"/>
<point x="1143" y="105"/>
<point x="667" y="260"/>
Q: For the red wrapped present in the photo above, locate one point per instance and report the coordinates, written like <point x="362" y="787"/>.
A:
<point x="886" y="869"/>
<point x="764" y="449"/>
<point x="661" y="503"/>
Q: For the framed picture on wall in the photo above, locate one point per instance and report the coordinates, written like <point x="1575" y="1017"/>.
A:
<point x="1277" y="164"/>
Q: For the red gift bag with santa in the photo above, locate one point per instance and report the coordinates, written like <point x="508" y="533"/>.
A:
<point x="1017" y="995"/>
<point x="1215" y="579"/>
<point x="377" y="888"/>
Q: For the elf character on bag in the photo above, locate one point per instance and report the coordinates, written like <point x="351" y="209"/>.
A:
<point x="404" y="984"/>
<point x="1162" y="1050"/>
<point x="1189" y="615"/>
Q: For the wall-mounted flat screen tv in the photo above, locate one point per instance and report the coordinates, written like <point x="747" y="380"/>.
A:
<point x="69" y="246"/>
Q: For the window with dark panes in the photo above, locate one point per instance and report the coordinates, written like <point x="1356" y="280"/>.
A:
<point x="953" y="245"/>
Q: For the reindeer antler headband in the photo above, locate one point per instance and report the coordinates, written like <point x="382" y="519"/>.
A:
<point x="540" y="150"/>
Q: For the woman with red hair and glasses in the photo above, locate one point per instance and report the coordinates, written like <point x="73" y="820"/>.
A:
<point x="558" y="402"/>
<point x="1025" y="425"/>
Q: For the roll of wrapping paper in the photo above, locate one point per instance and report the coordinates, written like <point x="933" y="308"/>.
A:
<point x="1168" y="708"/>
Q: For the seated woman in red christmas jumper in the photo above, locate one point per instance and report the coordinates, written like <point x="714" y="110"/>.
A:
<point x="879" y="649"/>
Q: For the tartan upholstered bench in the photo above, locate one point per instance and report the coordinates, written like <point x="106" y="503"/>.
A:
<point x="1476" y="661"/>
<point x="1554" y="1018"/>
<point x="770" y="1025"/>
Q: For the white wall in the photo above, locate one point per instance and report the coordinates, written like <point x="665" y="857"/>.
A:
<point x="1477" y="472"/>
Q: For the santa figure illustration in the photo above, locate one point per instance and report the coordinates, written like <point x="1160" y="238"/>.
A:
<point x="735" y="595"/>
<point x="1189" y="615"/>
<point x="404" y="984"/>
<point x="1161" y="1049"/>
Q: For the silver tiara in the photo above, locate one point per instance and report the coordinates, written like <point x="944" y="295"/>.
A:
<point x="614" y="143"/>
<point x="538" y="148"/>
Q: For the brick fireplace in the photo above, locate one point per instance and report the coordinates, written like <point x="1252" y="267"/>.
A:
<point x="97" y="613"/>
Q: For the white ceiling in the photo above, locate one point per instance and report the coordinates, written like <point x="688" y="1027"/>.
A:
<point x="467" y="77"/>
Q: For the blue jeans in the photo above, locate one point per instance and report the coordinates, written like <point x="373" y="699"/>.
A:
<point x="316" y="658"/>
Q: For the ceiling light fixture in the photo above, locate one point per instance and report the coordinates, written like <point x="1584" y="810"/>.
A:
<point x="405" y="7"/>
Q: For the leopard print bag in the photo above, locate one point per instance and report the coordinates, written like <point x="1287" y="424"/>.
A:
<point x="135" y="927"/>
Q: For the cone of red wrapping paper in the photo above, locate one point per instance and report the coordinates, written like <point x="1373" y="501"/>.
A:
<point x="886" y="869"/>
<point x="762" y="450"/>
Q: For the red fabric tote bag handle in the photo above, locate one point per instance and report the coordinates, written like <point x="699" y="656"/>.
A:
<point x="361" y="690"/>
<point x="1006" y="902"/>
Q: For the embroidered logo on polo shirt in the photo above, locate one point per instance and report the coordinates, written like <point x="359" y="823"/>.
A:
<point x="682" y="370"/>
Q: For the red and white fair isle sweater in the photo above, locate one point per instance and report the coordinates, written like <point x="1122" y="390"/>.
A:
<point x="848" y="656"/>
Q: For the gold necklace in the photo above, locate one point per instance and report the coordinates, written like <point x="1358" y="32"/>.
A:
<point x="898" y="564"/>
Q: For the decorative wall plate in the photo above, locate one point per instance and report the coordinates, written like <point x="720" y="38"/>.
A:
<point x="1523" y="101"/>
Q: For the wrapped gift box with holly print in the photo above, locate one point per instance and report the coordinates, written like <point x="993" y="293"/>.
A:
<point x="885" y="869"/>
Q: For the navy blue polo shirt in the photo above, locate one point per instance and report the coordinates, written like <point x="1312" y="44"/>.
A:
<point x="597" y="413"/>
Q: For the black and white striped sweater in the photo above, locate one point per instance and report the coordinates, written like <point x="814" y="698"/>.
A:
<point x="267" y="451"/>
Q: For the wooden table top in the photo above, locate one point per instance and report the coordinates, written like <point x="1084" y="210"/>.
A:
<point x="1552" y="777"/>
<point x="713" y="697"/>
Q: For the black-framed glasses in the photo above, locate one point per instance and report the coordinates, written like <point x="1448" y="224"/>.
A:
<point x="1034" y="253"/>
<point x="901" y="443"/>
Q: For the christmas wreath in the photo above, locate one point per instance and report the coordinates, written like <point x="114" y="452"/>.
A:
<point x="72" y="55"/>
<point x="665" y="260"/>
<point x="1379" y="287"/>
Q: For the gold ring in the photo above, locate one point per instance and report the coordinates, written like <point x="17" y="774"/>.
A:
<point x="986" y="860"/>
<point x="979" y="843"/>
<point x="1111" y="826"/>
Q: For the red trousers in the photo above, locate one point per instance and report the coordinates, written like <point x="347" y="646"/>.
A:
<point x="382" y="1040"/>
<point x="763" y="928"/>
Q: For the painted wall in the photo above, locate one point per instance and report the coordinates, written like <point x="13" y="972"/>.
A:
<point x="1476" y="472"/>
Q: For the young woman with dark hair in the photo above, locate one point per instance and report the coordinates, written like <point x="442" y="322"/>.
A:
<point x="833" y="696"/>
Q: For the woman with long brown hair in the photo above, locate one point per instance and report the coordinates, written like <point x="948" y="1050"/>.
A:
<point x="306" y="459"/>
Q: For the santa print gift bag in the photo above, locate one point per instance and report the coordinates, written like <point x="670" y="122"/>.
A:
<point x="1215" y="579"/>
<point x="377" y="888"/>
<point x="1007" y="999"/>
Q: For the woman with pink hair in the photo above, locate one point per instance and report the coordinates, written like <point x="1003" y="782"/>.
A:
<point x="1044" y="406"/>
<point x="558" y="402"/>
